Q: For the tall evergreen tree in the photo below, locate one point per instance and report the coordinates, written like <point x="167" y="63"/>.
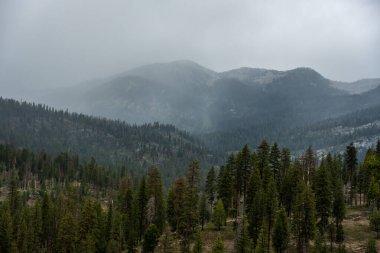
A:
<point x="303" y="224"/>
<point x="193" y="178"/>
<point x="285" y="161"/>
<point x="13" y="195"/>
<point x="309" y="165"/>
<point x="141" y="207"/>
<point x="373" y="192"/>
<point x="292" y="178"/>
<point x="243" y="243"/>
<point x="47" y="221"/>
<point x="219" y="215"/>
<point x="225" y="186"/>
<point x="270" y="208"/>
<point x="6" y="229"/>
<point x="254" y="186"/>
<point x="255" y="216"/>
<point x="351" y="162"/>
<point x="155" y="193"/>
<point x="339" y="208"/>
<point x="263" y="156"/>
<point x="275" y="163"/>
<point x="88" y="222"/>
<point x="210" y="187"/>
<point x="323" y="194"/>
<point x="203" y="212"/>
<point x="245" y="164"/>
<point x="66" y="238"/>
<point x="281" y="232"/>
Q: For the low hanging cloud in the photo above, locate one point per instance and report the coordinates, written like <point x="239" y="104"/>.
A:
<point x="47" y="44"/>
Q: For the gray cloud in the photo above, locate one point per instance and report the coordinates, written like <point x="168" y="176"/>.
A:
<point x="47" y="44"/>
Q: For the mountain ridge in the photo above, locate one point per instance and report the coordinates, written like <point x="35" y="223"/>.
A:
<point x="200" y="100"/>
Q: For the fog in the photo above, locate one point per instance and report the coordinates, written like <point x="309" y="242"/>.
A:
<point x="48" y="44"/>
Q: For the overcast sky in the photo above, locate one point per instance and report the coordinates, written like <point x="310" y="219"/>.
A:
<point x="52" y="43"/>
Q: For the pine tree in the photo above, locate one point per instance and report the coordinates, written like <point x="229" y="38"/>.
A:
<point x="378" y="148"/>
<point x="303" y="224"/>
<point x="270" y="208"/>
<point x="36" y="224"/>
<point x="13" y="195"/>
<point x="191" y="201"/>
<point x="245" y="167"/>
<point x="171" y="211"/>
<point x="182" y="212"/>
<point x="203" y="212"/>
<point x="373" y="192"/>
<point x="25" y="233"/>
<point x="47" y="221"/>
<point x="243" y="243"/>
<point x="218" y="246"/>
<point x="151" y="236"/>
<point x="254" y="186"/>
<point x="281" y="232"/>
<point x="66" y="237"/>
<point x="225" y="185"/>
<point x="109" y="221"/>
<point x="255" y="216"/>
<point x="285" y="161"/>
<point x="88" y="224"/>
<point x="339" y="208"/>
<point x="323" y="194"/>
<point x="309" y="165"/>
<point x="198" y="244"/>
<point x="6" y="229"/>
<point x="263" y="156"/>
<point x="351" y="162"/>
<point x="155" y="192"/>
<point x="219" y="215"/>
<point x="275" y="163"/>
<point x="141" y="207"/>
<point x="210" y="187"/>
<point x="291" y="180"/>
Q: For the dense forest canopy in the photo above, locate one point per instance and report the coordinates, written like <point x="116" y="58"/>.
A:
<point x="39" y="127"/>
<point x="261" y="200"/>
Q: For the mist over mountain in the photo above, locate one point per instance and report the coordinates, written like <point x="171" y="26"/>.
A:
<point x="200" y="100"/>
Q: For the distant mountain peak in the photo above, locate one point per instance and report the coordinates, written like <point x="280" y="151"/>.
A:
<point x="305" y="71"/>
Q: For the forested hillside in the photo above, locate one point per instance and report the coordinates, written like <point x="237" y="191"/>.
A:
<point x="38" y="127"/>
<point x="201" y="100"/>
<point x="362" y="127"/>
<point x="260" y="200"/>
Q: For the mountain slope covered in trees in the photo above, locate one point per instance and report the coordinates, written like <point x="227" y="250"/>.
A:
<point x="39" y="127"/>
<point x="361" y="127"/>
<point x="200" y="100"/>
